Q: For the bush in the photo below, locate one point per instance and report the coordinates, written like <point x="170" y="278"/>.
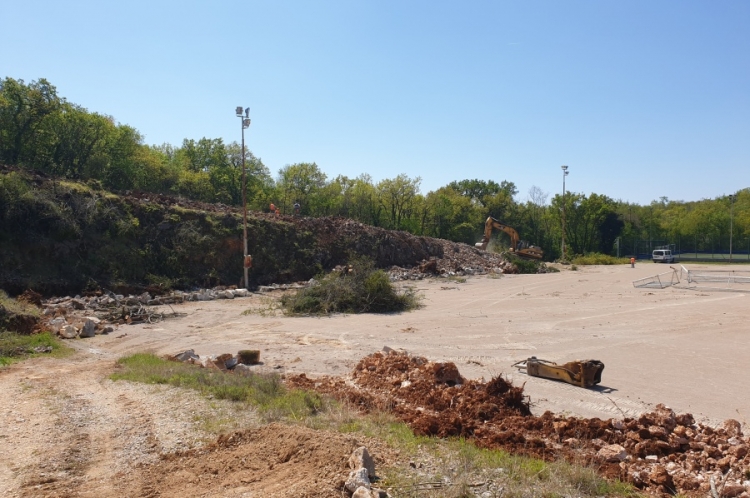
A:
<point x="596" y="258"/>
<point x="360" y="288"/>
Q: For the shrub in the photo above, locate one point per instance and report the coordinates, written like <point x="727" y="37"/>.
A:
<point x="597" y="258"/>
<point x="360" y="288"/>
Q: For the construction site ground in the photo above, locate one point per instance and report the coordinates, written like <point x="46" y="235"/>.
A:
<point x="74" y="433"/>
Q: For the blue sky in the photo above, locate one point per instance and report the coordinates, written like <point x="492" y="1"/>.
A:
<point x="641" y="99"/>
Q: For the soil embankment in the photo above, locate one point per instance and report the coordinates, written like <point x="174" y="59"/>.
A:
<point x="60" y="237"/>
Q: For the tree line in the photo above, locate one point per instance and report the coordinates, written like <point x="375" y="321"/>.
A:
<point x="41" y="131"/>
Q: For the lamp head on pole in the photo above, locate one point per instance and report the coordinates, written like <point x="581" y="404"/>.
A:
<point x="565" y="170"/>
<point x="246" y="123"/>
<point x="247" y="112"/>
<point x="238" y="110"/>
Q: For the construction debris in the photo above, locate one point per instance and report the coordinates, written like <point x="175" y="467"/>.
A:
<point x="583" y="373"/>
<point x="224" y="362"/>
<point x="660" y="451"/>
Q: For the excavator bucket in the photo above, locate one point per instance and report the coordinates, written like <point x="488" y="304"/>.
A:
<point x="583" y="373"/>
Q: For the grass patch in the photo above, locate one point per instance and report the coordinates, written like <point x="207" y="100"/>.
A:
<point x="263" y="391"/>
<point x="452" y="468"/>
<point x="596" y="258"/>
<point x="18" y="307"/>
<point x="359" y="289"/>
<point x="15" y="347"/>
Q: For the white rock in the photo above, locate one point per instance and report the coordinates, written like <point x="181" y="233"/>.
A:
<point x="612" y="453"/>
<point x="363" y="492"/>
<point x="68" y="332"/>
<point x="240" y="292"/>
<point x="357" y="478"/>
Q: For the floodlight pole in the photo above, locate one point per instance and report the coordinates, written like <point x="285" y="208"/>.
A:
<point x="246" y="260"/>
<point x="731" y="224"/>
<point x="565" y="173"/>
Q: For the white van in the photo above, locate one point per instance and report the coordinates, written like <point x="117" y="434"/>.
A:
<point x="662" y="256"/>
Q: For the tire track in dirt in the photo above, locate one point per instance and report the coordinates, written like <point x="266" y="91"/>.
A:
<point x="74" y="432"/>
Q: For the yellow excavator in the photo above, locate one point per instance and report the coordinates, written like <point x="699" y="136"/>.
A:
<point x="517" y="246"/>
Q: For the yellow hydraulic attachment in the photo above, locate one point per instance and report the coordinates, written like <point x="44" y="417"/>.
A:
<point x="582" y="373"/>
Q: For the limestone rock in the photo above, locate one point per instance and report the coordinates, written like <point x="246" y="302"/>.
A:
<point x="68" y="332"/>
<point x="360" y="458"/>
<point x="612" y="453"/>
<point x="357" y="478"/>
<point x="363" y="492"/>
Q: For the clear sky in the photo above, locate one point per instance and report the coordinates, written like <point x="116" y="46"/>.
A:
<point x="641" y="99"/>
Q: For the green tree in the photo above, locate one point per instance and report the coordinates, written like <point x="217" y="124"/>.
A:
<point x="396" y="196"/>
<point x="24" y="120"/>
<point x="300" y="182"/>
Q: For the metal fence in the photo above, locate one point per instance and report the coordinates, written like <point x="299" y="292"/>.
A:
<point x="660" y="281"/>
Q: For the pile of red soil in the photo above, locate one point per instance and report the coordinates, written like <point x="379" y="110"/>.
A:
<point x="659" y="452"/>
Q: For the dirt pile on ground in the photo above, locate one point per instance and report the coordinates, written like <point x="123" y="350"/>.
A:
<point x="659" y="452"/>
<point x="275" y="460"/>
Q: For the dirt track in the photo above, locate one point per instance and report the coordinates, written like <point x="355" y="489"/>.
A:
<point x="74" y="433"/>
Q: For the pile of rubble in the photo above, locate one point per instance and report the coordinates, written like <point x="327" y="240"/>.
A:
<point x="659" y="451"/>
<point x="239" y="363"/>
<point x="86" y="316"/>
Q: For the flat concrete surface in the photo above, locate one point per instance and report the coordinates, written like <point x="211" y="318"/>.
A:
<point x="686" y="348"/>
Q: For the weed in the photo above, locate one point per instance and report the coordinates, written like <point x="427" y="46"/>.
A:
<point x="574" y="267"/>
<point x="14" y="347"/>
<point x="361" y="289"/>
<point x="268" y="307"/>
<point x="17" y="307"/>
<point x="456" y="278"/>
<point x="263" y="391"/>
<point x="524" y="265"/>
<point x="596" y="258"/>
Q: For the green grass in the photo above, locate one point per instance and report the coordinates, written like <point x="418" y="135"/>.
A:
<point x="18" y="307"/>
<point x="15" y="347"/>
<point x="596" y="258"/>
<point x="263" y="391"/>
<point x="462" y="463"/>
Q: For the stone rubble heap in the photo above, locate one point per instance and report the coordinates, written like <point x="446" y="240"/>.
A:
<point x="659" y="452"/>
<point x="240" y="363"/>
<point x="359" y="482"/>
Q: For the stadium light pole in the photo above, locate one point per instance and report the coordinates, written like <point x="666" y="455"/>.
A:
<point x="246" y="259"/>
<point x="731" y="224"/>
<point x="565" y="173"/>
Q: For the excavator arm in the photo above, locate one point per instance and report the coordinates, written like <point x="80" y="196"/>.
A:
<point x="517" y="246"/>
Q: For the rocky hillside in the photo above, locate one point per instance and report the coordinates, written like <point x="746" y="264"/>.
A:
<point x="62" y="237"/>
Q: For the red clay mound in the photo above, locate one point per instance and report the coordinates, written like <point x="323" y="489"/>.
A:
<point x="660" y="452"/>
